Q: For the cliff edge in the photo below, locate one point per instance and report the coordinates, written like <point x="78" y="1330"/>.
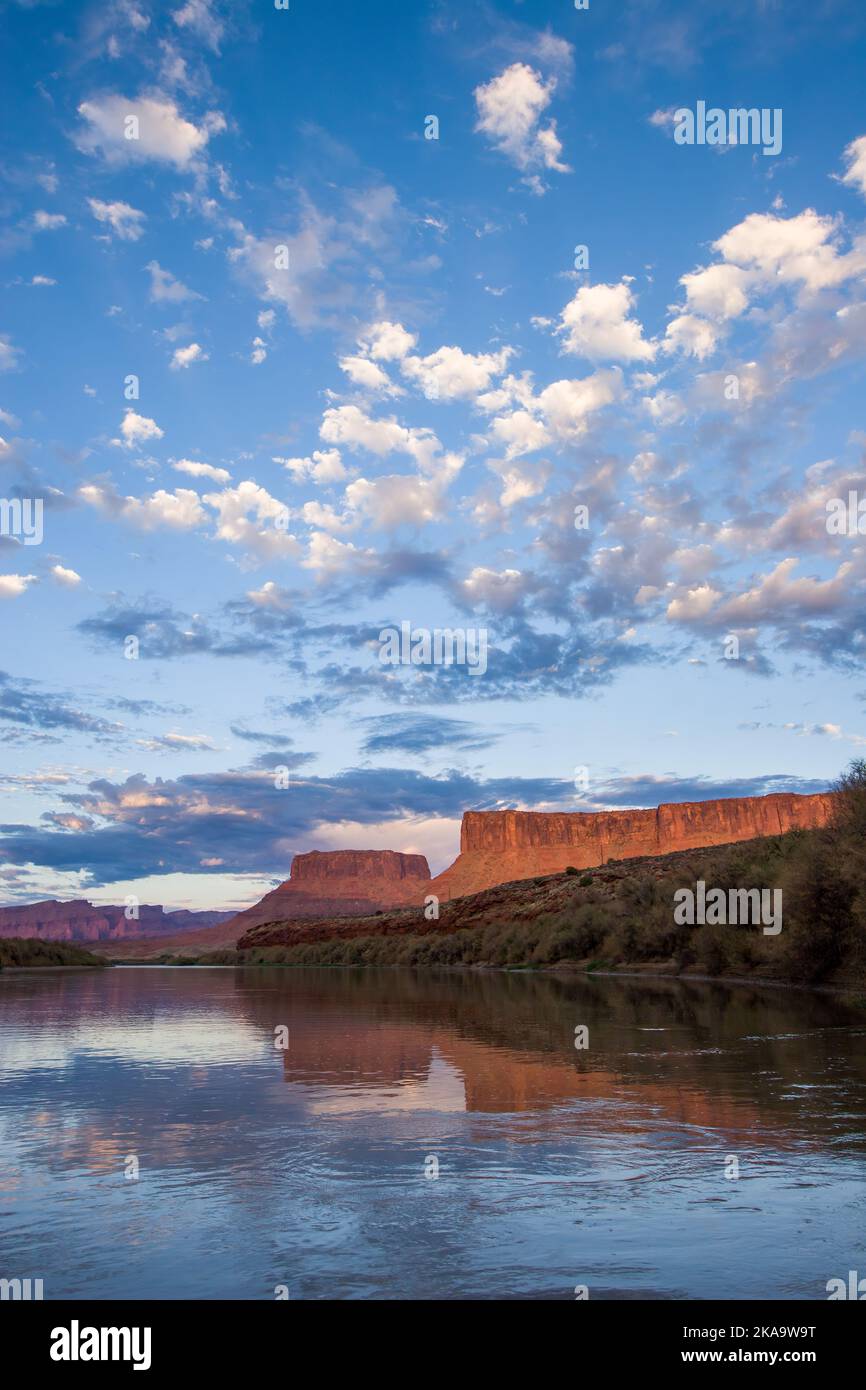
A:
<point x="500" y="846"/>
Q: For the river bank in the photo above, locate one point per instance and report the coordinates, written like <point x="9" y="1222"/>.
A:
<point x="621" y="917"/>
<point x="28" y="953"/>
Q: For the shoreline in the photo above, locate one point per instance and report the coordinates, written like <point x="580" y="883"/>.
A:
<point x="43" y="969"/>
<point x="853" y="990"/>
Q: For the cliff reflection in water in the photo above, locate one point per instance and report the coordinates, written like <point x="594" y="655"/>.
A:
<point x="510" y="1037"/>
<point x="306" y="1166"/>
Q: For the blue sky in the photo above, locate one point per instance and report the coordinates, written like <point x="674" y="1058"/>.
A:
<point x="397" y="425"/>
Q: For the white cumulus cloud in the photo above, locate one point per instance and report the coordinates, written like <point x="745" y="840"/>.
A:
<point x="185" y="356"/>
<point x="510" y="108"/>
<point x="126" y="130"/>
<point x="136" y="429"/>
<point x="67" y="577"/>
<point x="597" y="323"/>
<point x="12" y="585"/>
<point x="452" y="374"/>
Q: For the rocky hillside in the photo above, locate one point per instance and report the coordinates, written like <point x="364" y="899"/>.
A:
<point x="523" y="901"/>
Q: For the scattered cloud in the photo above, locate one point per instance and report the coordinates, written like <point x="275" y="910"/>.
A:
<point x="49" y="221"/>
<point x="126" y="222"/>
<point x="137" y="429"/>
<point x="185" y="356"/>
<point x="68" y="578"/>
<point x="125" y="130"/>
<point x="202" y="470"/>
<point x="14" y="585"/>
<point x="165" y="289"/>
<point x="510" y="107"/>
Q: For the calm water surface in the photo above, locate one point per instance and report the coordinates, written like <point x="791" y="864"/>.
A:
<point x="306" y="1168"/>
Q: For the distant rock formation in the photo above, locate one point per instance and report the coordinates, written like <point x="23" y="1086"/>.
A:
<point x="500" y="846"/>
<point x="340" y="883"/>
<point x="496" y="847"/>
<point x="80" y="920"/>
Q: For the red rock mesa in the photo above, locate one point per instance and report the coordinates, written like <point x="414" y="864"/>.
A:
<point x="498" y="846"/>
<point x="340" y="883"/>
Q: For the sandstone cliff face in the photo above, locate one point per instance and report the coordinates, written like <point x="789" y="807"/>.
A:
<point x="499" y="846"/>
<point x="342" y="866"/>
<point x="344" y="883"/>
<point x="79" y="920"/>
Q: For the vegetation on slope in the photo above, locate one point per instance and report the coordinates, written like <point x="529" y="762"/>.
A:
<point x="29" y="951"/>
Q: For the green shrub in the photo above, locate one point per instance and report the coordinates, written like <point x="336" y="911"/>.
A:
<point x="32" y="951"/>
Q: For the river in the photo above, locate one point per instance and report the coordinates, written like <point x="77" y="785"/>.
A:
<point x="202" y="1133"/>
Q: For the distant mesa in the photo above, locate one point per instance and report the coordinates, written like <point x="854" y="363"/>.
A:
<point x="340" y="883"/>
<point x="79" y="920"/>
<point x="336" y="883"/>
